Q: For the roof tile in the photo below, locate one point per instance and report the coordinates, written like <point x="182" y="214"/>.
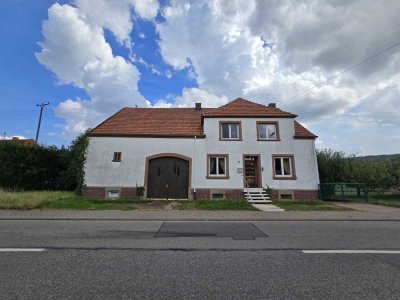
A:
<point x="244" y="108"/>
<point x="157" y="122"/>
<point x="300" y="132"/>
<point x="185" y="122"/>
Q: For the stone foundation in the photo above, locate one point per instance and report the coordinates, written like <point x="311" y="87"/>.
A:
<point x="128" y="193"/>
<point x="300" y="195"/>
<point x="94" y="192"/>
<point x="208" y="194"/>
<point x="100" y="192"/>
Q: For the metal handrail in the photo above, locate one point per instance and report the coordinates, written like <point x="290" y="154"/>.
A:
<point x="247" y="184"/>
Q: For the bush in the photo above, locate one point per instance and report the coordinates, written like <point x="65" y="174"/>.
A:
<point x="41" y="167"/>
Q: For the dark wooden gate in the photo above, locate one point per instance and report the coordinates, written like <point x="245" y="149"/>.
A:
<point x="168" y="178"/>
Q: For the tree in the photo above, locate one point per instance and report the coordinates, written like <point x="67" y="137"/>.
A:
<point x="76" y="167"/>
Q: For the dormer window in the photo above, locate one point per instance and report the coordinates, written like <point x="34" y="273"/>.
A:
<point x="230" y="131"/>
<point x="268" y="131"/>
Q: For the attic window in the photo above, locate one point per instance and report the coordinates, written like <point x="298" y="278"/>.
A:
<point x="230" y="131"/>
<point x="117" y="156"/>
<point x="268" y="131"/>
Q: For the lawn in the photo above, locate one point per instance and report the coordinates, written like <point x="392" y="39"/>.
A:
<point x="215" y="205"/>
<point x="61" y="200"/>
<point x="308" y="206"/>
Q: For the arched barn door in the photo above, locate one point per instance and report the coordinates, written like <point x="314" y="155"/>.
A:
<point x="168" y="177"/>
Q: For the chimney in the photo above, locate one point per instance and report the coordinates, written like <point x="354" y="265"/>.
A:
<point x="198" y="106"/>
<point x="272" y="105"/>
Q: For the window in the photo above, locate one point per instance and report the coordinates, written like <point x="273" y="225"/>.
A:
<point x="217" y="166"/>
<point x="117" y="156"/>
<point x="112" y="194"/>
<point x="230" y="131"/>
<point x="283" y="167"/>
<point x="268" y="131"/>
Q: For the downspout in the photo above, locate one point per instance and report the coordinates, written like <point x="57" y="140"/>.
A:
<point x="194" y="168"/>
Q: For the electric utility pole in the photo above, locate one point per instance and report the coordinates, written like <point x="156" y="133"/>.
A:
<point x="42" y="105"/>
<point x="4" y="135"/>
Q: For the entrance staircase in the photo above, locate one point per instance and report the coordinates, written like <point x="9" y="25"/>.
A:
<point x="256" y="196"/>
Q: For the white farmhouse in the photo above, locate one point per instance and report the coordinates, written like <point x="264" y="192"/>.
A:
<point x="202" y="153"/>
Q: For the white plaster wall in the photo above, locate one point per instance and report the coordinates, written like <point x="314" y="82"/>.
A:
<point x="102" y="171"/>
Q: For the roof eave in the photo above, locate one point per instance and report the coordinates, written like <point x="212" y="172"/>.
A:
<point x="303" y="137"/>
<point x="249" y="116"/>
<point x="185" y="136"/>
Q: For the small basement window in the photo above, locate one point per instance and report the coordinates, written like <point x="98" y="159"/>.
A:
<point x="117" y="156"/>
<point x="217" y="196"/>
<point x="286" y="197"/>
<point x="113" y="194"/>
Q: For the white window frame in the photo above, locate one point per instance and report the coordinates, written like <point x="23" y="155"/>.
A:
<point x="292" y="169"/>
<point x="275" y="124"/>
<point x="218" y="157"/>
<point x="230" y="124"/>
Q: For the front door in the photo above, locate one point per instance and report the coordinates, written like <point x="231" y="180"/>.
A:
<point x="252" y="170"/>
<point x="168" y="178"/>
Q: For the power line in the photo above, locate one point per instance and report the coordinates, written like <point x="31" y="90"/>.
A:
<point x="344" y="71"/>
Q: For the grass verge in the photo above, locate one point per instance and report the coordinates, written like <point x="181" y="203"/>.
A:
<point x="61" y="200"/>
<point x="308" y="206"/>
<point x="388" y="200"/>
<point x="215" y="205"/>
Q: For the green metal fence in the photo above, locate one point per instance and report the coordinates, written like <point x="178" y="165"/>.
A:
<point x="357" y="192"/>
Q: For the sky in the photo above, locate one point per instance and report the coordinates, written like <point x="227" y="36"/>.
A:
<point x="333" y="63"/>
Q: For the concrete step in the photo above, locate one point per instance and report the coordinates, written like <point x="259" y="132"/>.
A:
<point x="260" y="201"/>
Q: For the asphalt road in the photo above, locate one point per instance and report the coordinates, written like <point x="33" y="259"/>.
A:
<point x="198" y="260"/>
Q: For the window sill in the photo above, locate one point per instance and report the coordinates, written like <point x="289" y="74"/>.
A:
<point x="230" y="140"/>
<point x="284" y="178"/>
<point x="217" y="177"/>
<point x="116" y="161"/>
<point x="265" y="140"/>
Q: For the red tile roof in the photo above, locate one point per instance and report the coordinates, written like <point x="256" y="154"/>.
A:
<point x="184" y="122"/>
<point x="300" y="132"/>
<point x="152" y="122"/>
<point x="26" y="142"/>
<point x="247" y="109"/>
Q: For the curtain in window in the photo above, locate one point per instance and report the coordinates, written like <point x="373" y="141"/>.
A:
<point x="234" y="131"/>
<point x="262" y="131"/>
<point x="278" y="166"/>
<point x="225" y="131"/>
<point x="213" y="165"/>
<point x="221" y="166"/>
<point x="286" y="166"/>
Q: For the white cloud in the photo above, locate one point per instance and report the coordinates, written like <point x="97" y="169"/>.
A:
<point x="142" y="35"/>
<point x="189" y="97"/>
<point x="168" y="74"/>
<point x="21" y="137"/>
<point x="74" y="48"/>
<point x="273" y="51"/>
<point x="116" y="15"/>
<point x="193" y="95"/>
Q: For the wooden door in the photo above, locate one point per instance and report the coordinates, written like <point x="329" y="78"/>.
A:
<point x="252" y="171"/>
<point x="168" y="178"/>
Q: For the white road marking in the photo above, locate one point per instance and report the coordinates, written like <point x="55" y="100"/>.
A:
<point x="22" y="249"/>
<point x="351" y="251"/>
